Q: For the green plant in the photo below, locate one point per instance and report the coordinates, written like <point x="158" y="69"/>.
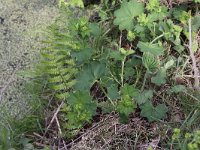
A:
<point x="186" y="141"/>
<point x="4" y="138"/>
<point x="126" y="54"/>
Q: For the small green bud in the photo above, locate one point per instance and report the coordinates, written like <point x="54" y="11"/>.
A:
<point x="187" y="135"/>
<point x="130" y="36"/>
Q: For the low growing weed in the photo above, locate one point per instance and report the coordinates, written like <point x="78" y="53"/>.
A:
<point x="119" y="53"/>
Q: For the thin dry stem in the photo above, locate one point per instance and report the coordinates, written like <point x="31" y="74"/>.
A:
<point x="54" y="116"/>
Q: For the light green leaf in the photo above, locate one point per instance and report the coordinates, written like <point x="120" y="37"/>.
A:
<point x="78" y="3"/>
<point x="127" y="12"/>
<point x="126" y="52"/>
<point x="178" y="88"/>
<point x="179" y="48"/>
<point x="125" y="107"/>
<point x="154" y="49"/>
<point x="195" y="45"/>
<point x="131" y="36"/>
<point x="79" y="97"/>
<point x="169" y="64"/>
<point x="129" y="90"/>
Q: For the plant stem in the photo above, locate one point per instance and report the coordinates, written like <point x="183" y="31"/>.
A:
<point x="105" y="93"/>
<point x="194" y="64"/>
<point x="122" y="72"/>
<point x="144" y="81"/>
<point x="137" y="77"/>
<point x="157" y="38"/>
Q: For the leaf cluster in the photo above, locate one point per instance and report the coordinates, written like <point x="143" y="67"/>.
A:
<point x="124" y="53"/>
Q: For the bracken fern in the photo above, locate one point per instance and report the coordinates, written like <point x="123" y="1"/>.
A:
<point x="59" y="67"/>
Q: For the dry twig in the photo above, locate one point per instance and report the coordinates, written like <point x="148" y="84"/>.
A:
<point x="54" y="117"/>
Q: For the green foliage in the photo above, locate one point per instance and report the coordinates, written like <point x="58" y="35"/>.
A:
<point x="113" y="92"/>
<point x="89" y="74"/>
<point x="150" y="62"/>
<point x="196" y="1"/>
<point x="4" y="138"/>
<point x="81" y="110"/>
<point x="161" y="75"/>
<point x="126" y="14"/>
<point x="178" y="88"/>
<point x="73" y="3"/>
<point x="78" y="3"/>
<point x="144" y="96"/>
<point x="87" y="57"/>
<point x="57" y="62"/>
<point x="127" y="105"/>
<point x="186" y="140"/>
<point x="153" y="49"/>
<point x="153" y="113"/>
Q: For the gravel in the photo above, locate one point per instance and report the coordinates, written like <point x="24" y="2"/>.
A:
<point x="22" y="26"/>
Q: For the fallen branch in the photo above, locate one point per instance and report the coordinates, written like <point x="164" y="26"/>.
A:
<point x="54" y="117"/>
<point x="194" y="64"/>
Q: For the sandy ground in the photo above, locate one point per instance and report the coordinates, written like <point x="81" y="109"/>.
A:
<point x="22" y="23"/>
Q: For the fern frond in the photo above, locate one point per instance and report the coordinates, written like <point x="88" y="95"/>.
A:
<point x="53" y="71"/>
<point x="59" y="87"/>
<point x="71" y="83"/>
<point x="63" y="95"/>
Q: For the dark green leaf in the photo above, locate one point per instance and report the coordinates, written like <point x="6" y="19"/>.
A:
<point x="98" y="69"/>
<point x="160" y="111"/>
<point x="153" y="113"/>
<point x="154" y="49"/>
<point x="144" y="96"/>
<point x="84" y="79"/>
<point x="95" y="29"/>
<point x="196" y="23"/>
<point x="79" y="97"/>
<point x="116" y="55"/>
<point x="178" y="88"/>
<point x="83" y="54"/>
<point x="160" y="77"/>
<point x="113" y="92"/>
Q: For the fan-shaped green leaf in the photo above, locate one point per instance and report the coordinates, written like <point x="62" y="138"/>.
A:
<point x="127" y="12"/>
<point x="154" y="49"/>
<point x="150" y="62"/>
<point x="153" y="113"/>
<point x="159" y="79"/>
<point x="113" y="92"/>
<point x="144" y="96"/>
